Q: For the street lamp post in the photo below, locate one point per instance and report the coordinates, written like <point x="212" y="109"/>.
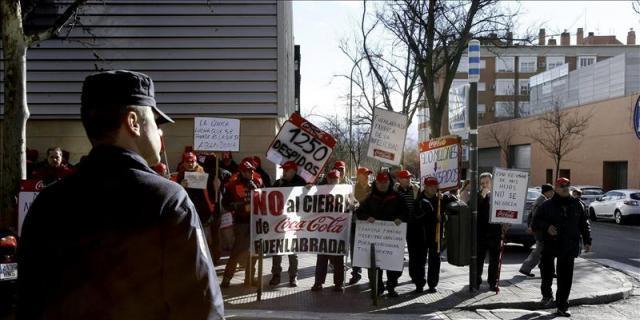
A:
<point x="355" y="64"/>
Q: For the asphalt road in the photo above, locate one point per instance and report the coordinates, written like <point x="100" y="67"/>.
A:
<point x="617" y="246"/>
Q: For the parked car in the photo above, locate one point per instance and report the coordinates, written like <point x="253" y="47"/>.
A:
<point x="517" y="233"/>
<point x="589" y="193"/>
<point x="620" y="205"/>
<point x="8" y="269"/>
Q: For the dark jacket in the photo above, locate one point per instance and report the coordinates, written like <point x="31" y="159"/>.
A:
<point x="266" y="179"/>
<point x="487" y="231"/>
<point x="237" y="197"/>
<point x="386" y="206"/>
<point x="425" y="212"/>
<point x="297" y="181"/>
<point x="570" y="219"/>
<point x="115" y="240"/>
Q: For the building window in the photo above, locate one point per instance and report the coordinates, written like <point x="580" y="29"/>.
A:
<point x="504" y="87"/>
<point x="554" y="62"/>
<point x="585" y="61"/>
<point x="482" y="86"/>
<point x="565" y="173"/>
<point x="458" y="82"/>
<point x="528" y="64"/>
<point x="524" y="110"/>
<point x="550" y="176"/>
<point x="504" y="64"/>
<point x="523" y="86"/>
<point x="504" y="109"/>
<point x="482" y="109"/>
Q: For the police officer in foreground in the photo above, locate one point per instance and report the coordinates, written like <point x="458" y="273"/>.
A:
<point x="116" y="240"/>
<point x="422" y="232"/>
<point x="563" y="222"/>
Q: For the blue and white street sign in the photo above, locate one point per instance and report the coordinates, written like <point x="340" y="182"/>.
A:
<point x="474" y="61"/>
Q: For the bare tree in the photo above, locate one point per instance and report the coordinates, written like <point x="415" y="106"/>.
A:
<point x="559" y="133"/>
<point x="17" y="37"/>
<point x="502" y="137"/>
<point x="636" y="6"/>
<point x="437" y="34"/>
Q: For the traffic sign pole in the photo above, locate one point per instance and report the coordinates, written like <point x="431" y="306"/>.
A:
<point x="474" y="76"/>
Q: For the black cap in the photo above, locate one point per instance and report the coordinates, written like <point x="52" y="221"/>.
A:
<point x="120" y="88"/>
<point x="546" y="187"/>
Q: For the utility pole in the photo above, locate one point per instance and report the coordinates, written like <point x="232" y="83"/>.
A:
<point x="474" y="76"/>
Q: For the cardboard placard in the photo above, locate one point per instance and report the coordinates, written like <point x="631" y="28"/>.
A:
<point x="216" y="134"/>
<point x="299" y="220"/>
<point x="29" y="190"/>
<point x="440" y="158"/>
<point x="305" y="144"/>
<point x="508" y="195"/>
<point x="196" y="180"/>
<point x="387" y="137"/>
<point x="389" y="241"/>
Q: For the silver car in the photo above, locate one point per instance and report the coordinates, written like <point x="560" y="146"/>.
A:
<point x="589" y="193"/>
<point x="619" y="205"/>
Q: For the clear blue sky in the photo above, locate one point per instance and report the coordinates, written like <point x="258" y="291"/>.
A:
<point x="320" y="25"/>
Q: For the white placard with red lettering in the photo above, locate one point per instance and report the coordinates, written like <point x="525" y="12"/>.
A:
<point x="508" y="195"/>
<point x="29" y="190"/>
<point x="298" y="220"/>
<point x="389" y="240"/>
<point x="305" y="144"/>
<point x="387" y="137"/>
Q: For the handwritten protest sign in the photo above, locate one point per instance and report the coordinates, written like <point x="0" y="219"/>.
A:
<point x="458" y="110"/>
<point x="216" y="134"/>
<point x="387" y="137"/>
<point x="440" y="158"/>
<point x="300" y="220"/>
<point x="389" y="242"/>
<point x="29" y="190"/>
<point x="305" y="144"/>
<point x="196" y="180"/>
<point x="508" y="195"/>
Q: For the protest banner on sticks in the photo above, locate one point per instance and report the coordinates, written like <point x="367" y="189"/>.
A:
<point x="440" y="158"/>
<point x="305" y="144"/>
<point x="389" y="240"/>
<point x="216" y="134"/>
<point x="29" y="190"/>
<point x="508" y="195"/>
<point x="297" y="220"/>
<point x="387" y="137"/>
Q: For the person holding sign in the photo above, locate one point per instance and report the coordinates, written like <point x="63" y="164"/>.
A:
<point x="322" y="260"/>
<point x="200" y="197"/>
<point x="488" y="234"/>
<point x="387" y="205"/>
<point x="361" y="191"/>
<point x="424" y="234"/>
<point x="237" y="200"/>
<point x="290" y="178"/>
<point x="563" y="222"/>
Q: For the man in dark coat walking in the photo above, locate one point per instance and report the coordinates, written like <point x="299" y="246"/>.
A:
<point x="563" y="222"/>
<point x="488" y="234"/>
<point x="116" y="240"/>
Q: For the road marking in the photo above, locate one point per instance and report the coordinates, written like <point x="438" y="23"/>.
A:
<point x="629" y="269"/>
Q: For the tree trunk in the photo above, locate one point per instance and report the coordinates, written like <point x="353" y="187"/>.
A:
<point x="16" y="111"/>
<point x="557" y="168"/>
<point x="435" y="122"/>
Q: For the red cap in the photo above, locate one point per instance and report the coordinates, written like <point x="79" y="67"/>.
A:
<point x="160" y="168"/>
<point x="189" y="156"/>
<point x="364" y="171"/>
<point x="257" y="162"/>
<point x="563" y="182"/>
<point x="339" y="165"/>
<point x="289" y="165"/>
<point x="333" y="174"/>
<point x="404" y="174"/>
<point x="382" y="177"/>
<point x="431" y="181"/>
<point x="246" y="165"/>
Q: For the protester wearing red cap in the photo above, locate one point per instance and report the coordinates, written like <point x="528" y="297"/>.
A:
<point x="199" y="197"/>
<point x="237" y="200"/>
<point x="341" y="166"/>
<point x="228" y="163"/>
<point x="361" y="191"/>
<point x="54" y="168"/>
<point x="563" y="222"/>
<point x="322" y="260"/>
<point x="424" y="235"/>
<point x="387" y="205"/>
<point x="266" y="179"/>
<point x="290" y="178"/>
<point x="161" y="169"/>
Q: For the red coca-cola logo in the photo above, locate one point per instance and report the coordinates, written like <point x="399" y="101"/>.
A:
<point x="319" y="224"/>
<point x="313" y="130"/>
<point x="39" y="185"/>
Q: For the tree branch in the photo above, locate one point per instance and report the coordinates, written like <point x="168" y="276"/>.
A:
<point x="49" y="32"/>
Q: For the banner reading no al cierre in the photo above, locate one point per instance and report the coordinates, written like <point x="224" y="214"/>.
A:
<point x="300" y="220"/>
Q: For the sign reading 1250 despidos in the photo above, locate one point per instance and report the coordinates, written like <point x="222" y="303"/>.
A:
<point x="305" y="144"/>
